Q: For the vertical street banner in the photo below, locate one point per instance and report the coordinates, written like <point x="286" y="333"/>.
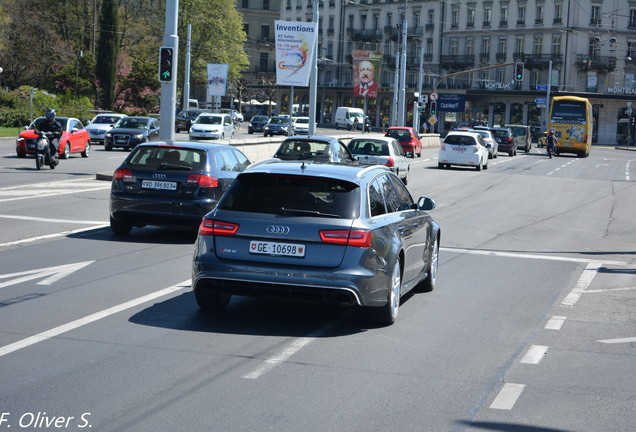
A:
<point x="366" y="73"/>
<point x="295" y="47"/>
<point x="217" y="79"/>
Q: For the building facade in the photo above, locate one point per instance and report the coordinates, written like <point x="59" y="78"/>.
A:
<point x="576" y="47"/>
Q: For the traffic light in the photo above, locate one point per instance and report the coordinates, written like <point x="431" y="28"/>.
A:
<point x="519" y="71"/>
<point x="165" y="63"/>
<point x="433" y="108"/>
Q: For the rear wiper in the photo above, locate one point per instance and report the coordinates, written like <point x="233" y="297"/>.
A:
<point x="302" y="212"/>
<point x="168" y="166"/>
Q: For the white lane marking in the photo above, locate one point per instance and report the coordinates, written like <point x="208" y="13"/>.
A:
<point x="555" y="323"/>
<point x="38" y="219"/>
<point x="582" y="284"/>
<point x="620" y="340"/>
<point x="627" y="171"/>
<point x="610" y="290"/>
<point x="47" y="189"/>
<point x="287" y="352"/>
<point x="507" y="396"/>
<point x="7" y="349"/>
<point x="54" y="274"/>
<point x="54" y="235"/>
<point x="531" y="256"/>
<point x="535" y="354"/>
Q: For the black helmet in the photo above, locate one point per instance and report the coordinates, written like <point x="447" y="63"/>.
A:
<point x="50" y="114"/>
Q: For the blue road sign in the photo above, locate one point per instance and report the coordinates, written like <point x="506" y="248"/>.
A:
<point x="542" y="87"/>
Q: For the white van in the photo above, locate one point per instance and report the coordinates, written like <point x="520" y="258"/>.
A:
<point x="345" y="117"/>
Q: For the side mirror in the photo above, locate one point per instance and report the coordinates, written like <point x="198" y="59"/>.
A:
<point x="426" y="203"/>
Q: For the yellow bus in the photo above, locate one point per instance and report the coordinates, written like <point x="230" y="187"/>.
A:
<point x="572" y="122"/>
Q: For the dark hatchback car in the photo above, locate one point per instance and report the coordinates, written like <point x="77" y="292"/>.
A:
<point x="326" y="233"/>
<point x="257" y="123"/>
<point x="504" y="138"/>
<point x="173" y="183"/>
<point x="315" y="148"/>
<point x="128" y="132"/>
<point x="185" y="118"/>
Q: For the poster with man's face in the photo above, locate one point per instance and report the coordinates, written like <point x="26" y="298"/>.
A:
<point x="366" y="73"/>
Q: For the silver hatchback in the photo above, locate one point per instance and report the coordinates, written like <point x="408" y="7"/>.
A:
<point x="385" y="151"/>
<point x="338" y="234"/>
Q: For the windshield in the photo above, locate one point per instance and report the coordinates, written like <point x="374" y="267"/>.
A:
<point x="211" y="120"/>
<point x="302" y="120"/>
<point x="106" y="119"/>
<point x="280" y="194"/>
<point x="279" y="121"/>
<point x="402" y="135"/>
<point x="169" y="157"/>
<point x="260" y="118"/>
<point x="132" y="123"/>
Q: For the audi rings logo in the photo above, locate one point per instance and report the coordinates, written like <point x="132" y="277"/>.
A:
<point x="277" y="229"/>
<point x="159" y="176"/>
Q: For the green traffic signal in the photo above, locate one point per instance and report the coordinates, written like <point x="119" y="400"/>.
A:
<point x="165" y="63"/>
<point x="519" y="71"/>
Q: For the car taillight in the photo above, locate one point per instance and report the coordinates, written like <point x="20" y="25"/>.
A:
<point x="508" y="139"/>
<point x="390" y="162"/>
<point x="443" y="146"/>
<point x="203" y="180"/>
<point x="218" y="228"/>
<point x="123" y="174"/>
<point x="358" y="238"/>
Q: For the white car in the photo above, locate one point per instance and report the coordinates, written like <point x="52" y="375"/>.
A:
<point x="101" y="124"/>
<point x="464" y="149"/>
<point x="385" y="151"/>
<point x="212" y="126"/>
<point x="491" y="143"/>
<point x="301" y="125"/>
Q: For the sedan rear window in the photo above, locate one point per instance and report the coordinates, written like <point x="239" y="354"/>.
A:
<point x="168" y="158"/>
<point x="459" y="140"/>
<point x="369" y="147"/>
<point x="293" y="195"/>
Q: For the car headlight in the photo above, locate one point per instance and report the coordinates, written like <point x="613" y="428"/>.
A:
<point x="266" y="127"/>
<point x="138" y="136"/>
<point x="109" y="134"/>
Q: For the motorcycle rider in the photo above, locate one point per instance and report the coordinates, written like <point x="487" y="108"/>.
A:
<point x="550" y="142"/>
<point x="51" y="125"/>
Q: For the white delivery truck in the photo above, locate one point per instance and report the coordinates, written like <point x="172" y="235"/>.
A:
<point x="345" y="117"/>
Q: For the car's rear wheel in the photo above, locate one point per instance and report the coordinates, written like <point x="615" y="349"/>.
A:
<point x="387" y="314"/>
<point x="478" y="167"/>
<point x="119" y="227"/>
<point x="67" y="151"/>
<point x="440" y="165"/>
<point x="210" y="300"/>
<point x="428" y="284"/>
<point x="21" y="155"/>
<point x="87" y="150"/>
<point x="405" y="180"/>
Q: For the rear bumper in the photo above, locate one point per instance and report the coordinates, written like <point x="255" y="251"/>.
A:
<point x="159" y="211"/>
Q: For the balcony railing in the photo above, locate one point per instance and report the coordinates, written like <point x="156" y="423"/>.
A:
<point x="598" y="63"/>
<point x="539" y="61"/>
<point x="457" y="61"/>
<point x="366" y="35"/>
<point x="429" y="27"/>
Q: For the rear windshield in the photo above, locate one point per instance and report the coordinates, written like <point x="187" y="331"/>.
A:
<point x="260" y="118"/>
<point x="400" y="134"/>
<point x="293" y="195"/>
<point x="501" y="133"/>
<point x="459" y="140"/>
<point x="167" y="158"/>
<point x="518" y="131"/>
<point x="303" y="149"/>
<point x="369" y="147"/>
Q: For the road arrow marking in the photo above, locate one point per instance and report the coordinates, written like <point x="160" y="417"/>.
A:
<point x="52" y="274"/>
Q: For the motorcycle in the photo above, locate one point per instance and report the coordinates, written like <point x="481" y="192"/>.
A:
<point x="45" y="151"/>
<point x="551" y="149"/>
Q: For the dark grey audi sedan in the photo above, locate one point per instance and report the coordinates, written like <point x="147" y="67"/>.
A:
<point x="174" y="183"/>
<point x="340" y="234"/>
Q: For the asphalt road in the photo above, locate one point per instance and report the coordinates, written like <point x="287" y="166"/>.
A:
<point x="532" y="326"/>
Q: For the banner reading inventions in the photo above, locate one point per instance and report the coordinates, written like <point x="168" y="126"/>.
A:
<point x="217" y="79"/>
<point x="366" y="73"/>
<point x="295" y="44"/>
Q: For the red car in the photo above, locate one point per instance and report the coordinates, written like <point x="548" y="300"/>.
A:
<point x="408" y="139"/>
<point x="75" y="138"/>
